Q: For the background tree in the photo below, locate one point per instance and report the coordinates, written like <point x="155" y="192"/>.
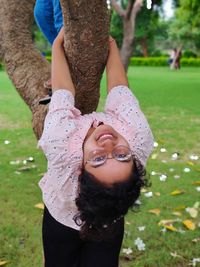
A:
<point x="146" y="26"/>
<point x="124" y="30"/>
<point x="86" y="46"/>
<point x="128" y="13"/>
<point x="186" y="25"/>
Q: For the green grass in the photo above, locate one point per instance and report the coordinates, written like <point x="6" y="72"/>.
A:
<point x="170" y="100"/>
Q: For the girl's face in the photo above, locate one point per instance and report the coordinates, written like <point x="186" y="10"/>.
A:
<point x="104" y="140"/>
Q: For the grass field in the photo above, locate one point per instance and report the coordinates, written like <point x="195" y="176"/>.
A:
<point x="170" y="100"/>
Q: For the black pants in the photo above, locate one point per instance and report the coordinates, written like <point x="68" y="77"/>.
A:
<point x="64" y="248"/>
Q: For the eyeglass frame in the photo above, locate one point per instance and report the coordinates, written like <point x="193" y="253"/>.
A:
<point x="113" y="157"/>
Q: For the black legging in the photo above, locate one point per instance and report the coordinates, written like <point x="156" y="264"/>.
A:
<point x="64" y="248"/>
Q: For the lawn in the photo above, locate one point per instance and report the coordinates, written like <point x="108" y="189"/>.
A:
<point x="170" y="100"/>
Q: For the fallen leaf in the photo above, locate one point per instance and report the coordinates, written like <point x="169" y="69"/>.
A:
<point x="2" y="263"/>
<point x="154" y="211"/>
<point x="189" y="224"/>
<point x="39" y="206"/>
<point x="166" y="222"/>
<point x="193" y="212"/>
<point x="190" y="163"/>
<point x="157" y="194"/>
<point x="196" y="183"/>
<point x="196" y="240"/>
<point x="171" y="228"/>
<point x="182" y="207"/>
<point x="175" y="255"/>
<point x="177" y="192"/>
<point x="144" y="190"/>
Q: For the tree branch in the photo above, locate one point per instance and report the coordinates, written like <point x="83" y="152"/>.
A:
<point x="120" y="11"/>
<point x="136" y="8"/>
<point x="129" y="8"/>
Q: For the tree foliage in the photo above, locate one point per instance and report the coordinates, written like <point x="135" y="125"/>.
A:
<point x="146" y="26"/>
<point x="186" y="26"/>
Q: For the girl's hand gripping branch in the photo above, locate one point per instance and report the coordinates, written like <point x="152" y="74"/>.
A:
<point x="60" y="73"/>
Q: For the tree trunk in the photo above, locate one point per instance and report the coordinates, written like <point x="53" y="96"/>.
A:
<point x="127" y="43"/>
<point x="86" y="35"/>
<point x="86" y="46"/>
<point x="143" y="43"/>
<point x="129" y="17"/>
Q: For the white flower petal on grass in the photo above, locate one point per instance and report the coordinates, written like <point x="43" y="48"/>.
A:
<point x="141" y="228"/>
<point x="163" y="177"/>
<point x="153" y="173"/>
<point x="194" y="262"/>
<point x="193" y="157"/>
<point x="175" y="156"/>
<point x="186" y="169"/>
<point x="14" y="162"/>
<point x="30" y="159"/>
<point x="175" y="255"/>
<point x="176" y="176"/>
<point x="171" y="169"/>
<point x="155" y="144"/>
<point x="198" y="188"/>
<point x="163" y="150"/>
<point x="127" y="251"/>
<point x="163" y="230"/>
<point x="6" y="142"/>
<point x="148" y="194"/>
<point x="138" y="202"/>
<point x="139" y="244"/>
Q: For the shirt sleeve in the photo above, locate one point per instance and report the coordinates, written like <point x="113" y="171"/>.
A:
<point x="122" y="104"/>
<point x="59" y="126"/>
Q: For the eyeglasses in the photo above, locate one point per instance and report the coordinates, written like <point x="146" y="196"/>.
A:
<point x="99" y="157"/>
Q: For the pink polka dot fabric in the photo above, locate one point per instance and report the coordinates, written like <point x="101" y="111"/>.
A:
<point x="62" y="139"/>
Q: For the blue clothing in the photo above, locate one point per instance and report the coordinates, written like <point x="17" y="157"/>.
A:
<point x="48" y="16"/>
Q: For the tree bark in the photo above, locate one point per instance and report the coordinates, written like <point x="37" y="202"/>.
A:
<point x="143" y="43"/>
<point x="86" y="34"/>
<point x="86" y="46"/>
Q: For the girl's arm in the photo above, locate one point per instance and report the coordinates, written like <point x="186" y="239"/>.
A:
<point x="60" y="73"/>
<point x="115" y="71"/>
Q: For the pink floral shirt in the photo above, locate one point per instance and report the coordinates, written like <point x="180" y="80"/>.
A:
<point x="62" y="139"/>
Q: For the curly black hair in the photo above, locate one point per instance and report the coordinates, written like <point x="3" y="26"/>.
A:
<point x="100" y="206"/>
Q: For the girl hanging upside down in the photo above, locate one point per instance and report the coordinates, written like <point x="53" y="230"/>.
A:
<point x="95" y="167"/>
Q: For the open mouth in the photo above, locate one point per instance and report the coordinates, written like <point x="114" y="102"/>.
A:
<point x="105" y="136"/>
